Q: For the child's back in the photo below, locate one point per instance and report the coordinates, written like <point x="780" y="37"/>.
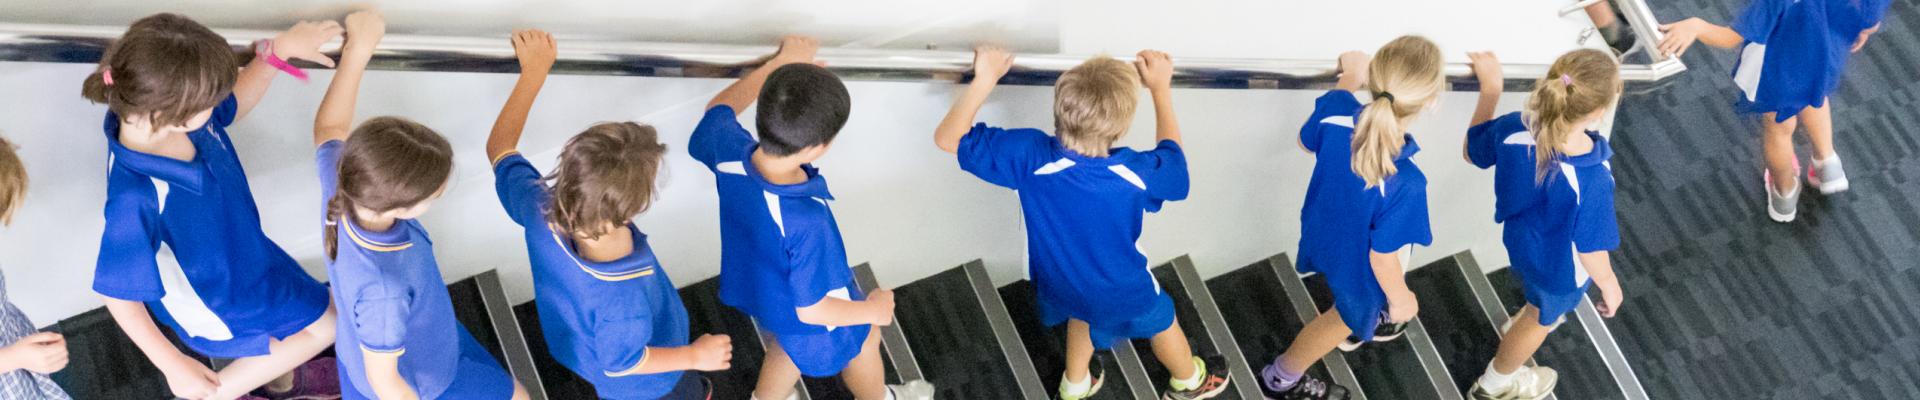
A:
<point x="1795" y="50"/>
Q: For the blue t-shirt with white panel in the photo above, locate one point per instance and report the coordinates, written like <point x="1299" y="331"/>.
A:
<point x="185" y="238"/>
<point x="1795" y="51"/>
<point x="599" y="318"/>
<point x="1343" y="220"/>
<point x="1083" y="216"/>
<point x="1547" y="220"/>
<point x="780" y="247"/>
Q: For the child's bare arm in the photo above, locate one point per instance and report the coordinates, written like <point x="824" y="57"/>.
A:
<point x="536" y="51"/>
<point x="989" y="65"/>
<point x="742" y="93"/>
<point x="708" y="353"/>
<point x="301" y="42"/>
<point x="877" y="309"/>
<point x="1401" y="304"/>
<point x="186" y="377"/>
<point x="1599" y="265"/>
<point x="1486" y="69"/>
<point x="1861" y="42"/>
<point x="1681" y="35"/>
<point x="1156" y="72"/>
<point x="383" y="373"/>
<point x="334" y="121"/>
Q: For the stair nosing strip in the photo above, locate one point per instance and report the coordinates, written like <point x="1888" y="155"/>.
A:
<point x="1604" y="343"/>
<point x="893" y="337"/>
<point x="513" y="341"/>
<point x="1430" y="362"/>
<point x="1133" y="369"/>
<point x="799" y="386"/>
<point x="1217" y="331"/>
<point x="1490" y="303"/>
<point x="1004" y="333"/>
<point x="1305" y="310"/>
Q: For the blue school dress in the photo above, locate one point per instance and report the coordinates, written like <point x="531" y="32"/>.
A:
<point x="1344" y="221"/>
<point x="184" y="237"/>
<point x="1795" y="51"/>
<point x="1083" y="218"/>
<point x="1547" y="221"/>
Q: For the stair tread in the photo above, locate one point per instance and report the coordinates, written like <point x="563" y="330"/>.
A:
<point x="1046" y="346"/>
<point x="1387" y="370"/>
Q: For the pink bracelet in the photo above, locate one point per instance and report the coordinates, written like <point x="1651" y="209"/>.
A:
<point x="264" y="48"/>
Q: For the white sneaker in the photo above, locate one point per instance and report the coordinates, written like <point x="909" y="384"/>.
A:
<point x="915" y="390"/>
<point x="1782" y="207"/>
<point x="1529" y="383"/>
<point x="1828" y="175"/>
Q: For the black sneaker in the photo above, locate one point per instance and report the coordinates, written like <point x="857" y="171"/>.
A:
<point x="1212" y="384"/>
<point x="1307" y="388"/>
<point x="1384" y="331"/>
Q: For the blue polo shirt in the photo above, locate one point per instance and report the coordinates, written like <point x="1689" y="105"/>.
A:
<point x="1343" y="220"/>
<point x="780" y="247"/>
<point x="1796" y="50"/>
<point x="184" y="237"/>
<point x="1547" y="221"/>
<point x="598" y="317"/>
<point x="1083" y="216"/>
<point x="390" y="297"/>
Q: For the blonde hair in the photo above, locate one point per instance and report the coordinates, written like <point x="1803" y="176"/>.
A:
<point x="1405" y="77"/>
<point x="1093" y="104"/>
<point x="13" y="182"/>
<point x="1577" y="84"/>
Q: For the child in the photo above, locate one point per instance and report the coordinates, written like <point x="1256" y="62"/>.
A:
<point x="610" y="313"/>
<point x="1554" y="192"/>
<point x="781" y="258"/>
<point x="1366" y="203"/>
<point x="398" y="336"/>
<point x="183" y="236"/>
<point x="1084" y="203"/>
<point x="1792" y="54"/>
<point x="28" y="357"/>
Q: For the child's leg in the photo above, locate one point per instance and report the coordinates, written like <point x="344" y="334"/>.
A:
<point x="866" y="376"/>
<point x="777" y="374"/>
<point x="246" y="374"/>
<point x="1170" y="346"/>
<point x="1079" y="350"/>
<point x="519" y="392"/>
<point x="1315" y="340"/>
<point x="1601" y="13"/>
<point x="1819" y="124"/>
<point x="1520" y="341"/>
<point x="1778" y="146"/>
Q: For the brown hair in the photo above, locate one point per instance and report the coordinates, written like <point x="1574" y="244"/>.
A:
<point x="1405" y="77"/>
<point x="388" y="163"/>
<point x="1577" y="84"/>
<point x="1093" y="104"/>
<point x="166" y="68"/>
<point x="13" y="182"/>
<point x="606" y="175"/>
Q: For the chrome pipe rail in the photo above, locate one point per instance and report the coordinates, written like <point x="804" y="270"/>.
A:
<point x="400" y="52"/>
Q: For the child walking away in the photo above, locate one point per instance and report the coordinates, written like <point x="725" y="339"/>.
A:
<point x="27" y="357"/>
<point x="782" y="261"/>
<point x="1553" y="190"/>
<point x="1366" y="203"/>
<point x="183" y="237"/>
<point x="1084" y="202"/>
<point x="398" y="336"/>
<point x="1792" y="53"/>
<point x="608" y="310"/>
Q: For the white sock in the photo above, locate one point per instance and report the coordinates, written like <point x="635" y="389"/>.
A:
<point x="1199" y="371"/>
<point x="1494" y="381"/>
<point x="1076" y="388"/>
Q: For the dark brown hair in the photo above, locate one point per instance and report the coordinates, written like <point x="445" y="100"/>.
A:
<point x="166" y="68"/>
<point x="388" y="163"/>
<point x="606" y="175"/>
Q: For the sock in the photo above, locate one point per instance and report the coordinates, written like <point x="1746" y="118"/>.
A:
<point x="1080" y="388"/>
<point x="1278" y="378"/>
<point x="1199" y="372"/>
<point x="1611" y="33"/>
<point x="1495" y="382"/>
<point x="890" y="393"/>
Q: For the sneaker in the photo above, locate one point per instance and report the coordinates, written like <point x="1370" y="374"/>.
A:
<point x="1307" y="388"/>
<point x="1782" y="207"/>
<point x="1097" y="371"/>
<point x="1828" y="175"/>
<point x="1385" y="331"/>
<point x="1212" y="384"/>
<point x="1529" y="383"/>
<point x="318" y="379"/>
<point x="915" y="390"/>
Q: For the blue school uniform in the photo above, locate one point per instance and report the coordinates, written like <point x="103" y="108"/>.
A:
<point x="1547" y="221"/>
<point x="1795" y="51"/>
<point x="184" y="237"/>
<point x="1083" y="218"/>
<point x="391" y="299"/>
<point x="780" y="248"/>
<point x="599" y="317"/>
<point x="1343" y="220"/>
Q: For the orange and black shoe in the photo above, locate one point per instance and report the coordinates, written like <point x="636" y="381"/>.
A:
<point x="1213" y="383"/>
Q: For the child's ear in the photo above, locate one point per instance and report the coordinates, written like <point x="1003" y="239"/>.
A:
<point x="814" y="152"/>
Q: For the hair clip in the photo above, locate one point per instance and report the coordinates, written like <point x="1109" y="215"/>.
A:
<point x="106" y="75"/>
<point x="1566" y="80"/>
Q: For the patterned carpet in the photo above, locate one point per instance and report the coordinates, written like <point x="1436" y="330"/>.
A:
<point x="1725" y="304"/>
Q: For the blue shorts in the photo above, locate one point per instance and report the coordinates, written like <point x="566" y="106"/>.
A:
<point x="1156" y="319"/>
<point x="822" y="355"/>
<point x="1357" y="295"/>
<point x="301" y="310"/>
<point x="478" y="376"/>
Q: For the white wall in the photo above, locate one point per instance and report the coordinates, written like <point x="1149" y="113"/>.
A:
<point x="903" y="205"/>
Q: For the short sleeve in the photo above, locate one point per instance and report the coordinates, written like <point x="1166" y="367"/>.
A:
<point x="1164" y="171"/>
<point x="809" y="277"/>
<point x="620" y="340"/>
<point x="224" y="113"/>
<point x="1333" y="104"/>
<point x="1483" y="143"/>
<point x="126" y="268"/>
<point x="380" y="317"/>
<point x="517" y="183"/>
<point x="1003" y="156"/>
<point x="326" y="161"/>
<point x="1595" y="227"/>
<point x="719" y="137"/>
<point x="1757" y="22"/>
<point x="1402" y="221"/>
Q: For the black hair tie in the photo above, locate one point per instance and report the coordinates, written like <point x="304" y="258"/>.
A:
<point x="1385" y="95"/>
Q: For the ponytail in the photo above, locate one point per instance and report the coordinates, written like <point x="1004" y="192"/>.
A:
<point x="1377" y="139"/>
<point x="336" y="209"/>
<point x="1405" y="76"/>
<point x="1578" y="84"/>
